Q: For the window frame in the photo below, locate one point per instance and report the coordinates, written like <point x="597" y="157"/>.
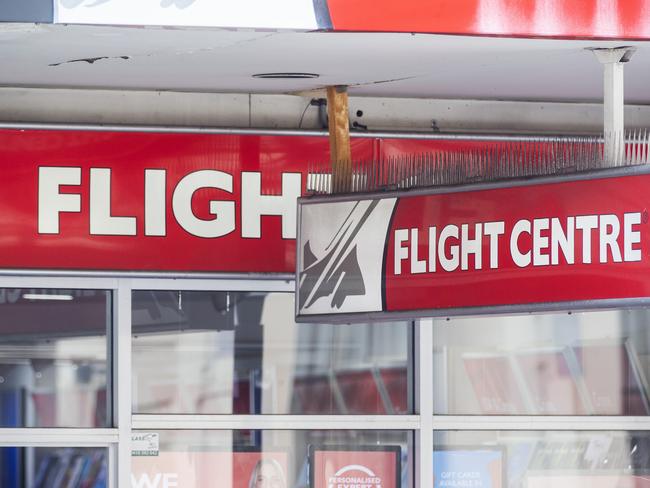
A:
<point x="109" y="437"/>
<point x="117" y="439"/>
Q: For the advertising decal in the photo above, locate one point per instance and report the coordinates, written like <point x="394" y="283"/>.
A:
<point x="527" y="18"/>
<point x="354" y="466"/>
<point x="472" y="467"/>
<point x="145" y="444"/>
<point x="439" y="251"/>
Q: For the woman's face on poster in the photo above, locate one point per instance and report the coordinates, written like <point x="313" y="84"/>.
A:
<point x="268" y="477"/>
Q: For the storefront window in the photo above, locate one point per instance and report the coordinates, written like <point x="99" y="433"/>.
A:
<point x="47" y="467"/>
<point x="591" y="363"/>
<point x="242" y="353"/>
<point x="277" y="459"/>
<point x="541" y="459"/>
<point x="53" y="350"/>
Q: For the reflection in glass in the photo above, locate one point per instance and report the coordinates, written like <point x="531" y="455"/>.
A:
<point x="242" y="352"/>
<point x="591" y="363"/>
<point x="273" y="459"/>
<point x="53" y="467"/>
<point x="53" y="349"/>
<point x="542" y="459"/>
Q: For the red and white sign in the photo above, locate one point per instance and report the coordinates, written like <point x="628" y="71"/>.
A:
<point x="160" y="201"/>
<point x="153" y="201"/>
<point x="222" y="469"/>
<point x="358" y="467"/>
<point x="533" y="243"/>
<point x="617" y="19"/>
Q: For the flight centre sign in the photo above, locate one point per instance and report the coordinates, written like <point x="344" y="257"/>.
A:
<point x="542" y="244"/>
<point x="92" y="200"/>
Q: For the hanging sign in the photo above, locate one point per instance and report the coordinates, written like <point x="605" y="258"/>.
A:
<point x="544" y="243"/>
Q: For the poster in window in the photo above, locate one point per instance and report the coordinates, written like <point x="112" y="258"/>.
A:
<point x="475" y="467"/>
<point x="344" y="466"/>
<point x="613" y="378"/>
<point x="550" y="377"/>
<point x="240" y="469"/>
<point x="495" y="383"/>
<point x="588" y="481"/>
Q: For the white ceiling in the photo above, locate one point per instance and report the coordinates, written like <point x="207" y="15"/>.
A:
<point x="403" y="65"/>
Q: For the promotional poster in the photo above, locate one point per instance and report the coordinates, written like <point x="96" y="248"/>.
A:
<point x="358" y="466"/>
<point x="469" y="468"/>
<point x="247" y="469"/>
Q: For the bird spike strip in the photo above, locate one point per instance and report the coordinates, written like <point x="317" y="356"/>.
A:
<point x="494" y="161"/>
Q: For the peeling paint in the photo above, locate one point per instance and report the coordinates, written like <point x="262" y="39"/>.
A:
<point x="90" y="60"/>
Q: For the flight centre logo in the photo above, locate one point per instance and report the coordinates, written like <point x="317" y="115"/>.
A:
<point x="354" y="476"/>
<point x="343" y="272"/>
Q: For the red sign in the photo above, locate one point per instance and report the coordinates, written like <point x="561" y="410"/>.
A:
<point x="159" y="201"/>
<point x="224" y="469"/>
<point x="528" y="244"/>
<point x="616" y="19"/>
<point x="153" y="201"/>
<point x="343" y="467"/>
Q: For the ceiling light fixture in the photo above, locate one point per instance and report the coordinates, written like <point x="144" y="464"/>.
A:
<point x="34" y="296"/>
<point x="286" y="76"/>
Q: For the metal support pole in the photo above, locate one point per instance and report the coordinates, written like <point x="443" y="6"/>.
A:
<point x="613" y="100"/>
<point x="614" y="122"/>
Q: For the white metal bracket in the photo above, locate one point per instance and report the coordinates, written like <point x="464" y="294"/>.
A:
<point x="613" y="60"/>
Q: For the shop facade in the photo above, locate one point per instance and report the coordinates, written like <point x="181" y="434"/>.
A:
<point x="192" y="375"/>
<point x="149" y="338"/>
<point x="148" y="332"/>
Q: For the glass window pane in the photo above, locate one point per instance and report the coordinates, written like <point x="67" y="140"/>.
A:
<point x="49" y="467"/>
<point x="277" y="459"/>
<point x="242" y="352"/>
<point x="542" y="459"/>
<point x="53" y="366"/>
<point x="591" y="363"/>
